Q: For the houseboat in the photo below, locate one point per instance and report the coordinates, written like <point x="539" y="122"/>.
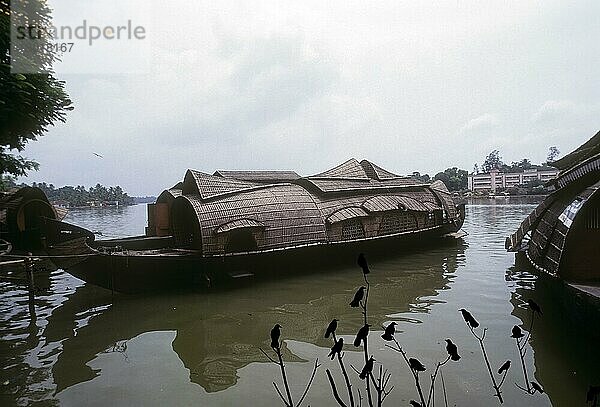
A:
<point x="560" y="237"/>
<point x="235" y="224"/>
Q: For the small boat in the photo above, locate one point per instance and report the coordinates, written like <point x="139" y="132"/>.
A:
<point x="238" y="224"/>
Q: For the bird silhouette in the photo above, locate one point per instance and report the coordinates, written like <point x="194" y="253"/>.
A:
<point x="504" y="367"/>
<point x="361" y="335"/>
<point x="534" y="306"/>
<point x="452" y="350"/>
<point x="357" y="297"/>
<point x="362" y="262"/>
<point x="368" y="368"/>
<point x="469" y="318"/>
<point x="97" y="155"/>
<point x="516" y="332"/>
<point x="390" y="330"/>
<point x="537" y="387"/>
<point x="416" y="365"/>
<point x="275" y="334"/>
<point x="331" y="328"/>
<point x="336" y="348"/>
<point x="415" y="403"/>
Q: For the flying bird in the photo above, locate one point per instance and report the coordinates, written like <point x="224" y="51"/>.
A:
<point x="416" y="365"/>
<point x="361" y="335"/>
<point x="469" y="318"/>
<point x="452" y="350"/>
<point x="534" y="306"/>
<point x="362" y="262"/>
<point x="390" y="330"/>
<point x="275" y="334"/>
<point x="331" y="328"/>
<point x="516" y="332"/>
<point x="415" y="403"/>
<point x="98" y="155"/>
<point x="336" y="348"/>
<point x="368" y="368"/>
<point x="358" y="296"/>
<point x="537" y="387"/>
<point x="504" y="367"/>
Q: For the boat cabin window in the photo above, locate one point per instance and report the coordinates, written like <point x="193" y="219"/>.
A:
<point x="240" y="240"/>
<point x="353" y="230"/>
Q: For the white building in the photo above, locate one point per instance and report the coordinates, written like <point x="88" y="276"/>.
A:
<point x="499" y="180"/>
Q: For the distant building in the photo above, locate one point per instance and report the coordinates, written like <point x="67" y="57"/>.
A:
<point x="500" y="180"/>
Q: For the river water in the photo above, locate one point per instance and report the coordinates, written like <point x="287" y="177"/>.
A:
<point x="80" y="345"/>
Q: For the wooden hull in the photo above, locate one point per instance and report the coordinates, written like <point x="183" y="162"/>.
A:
<point x="129" y="269"/>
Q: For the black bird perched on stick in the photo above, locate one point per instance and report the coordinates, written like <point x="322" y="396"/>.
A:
<point x="469" y="318"/>
<point x="390" y="330"/>
<point x="415" y="403"/>
<point x="275" y="334"/>
<point x="416" y="365"/>
<point x="504" y="367"/>
<point x="358" y="296"/>
<point x="361" y="335"/>
<point x="368" y="368"/>
<point x="516" y="332"/>
<point x="537" y="387"/>
<point x="452" y="350"/>
<point x="534" y="306"/>
<point x="362" y="262"/>
<point x="331" y="328"/>
<point x="336" y="348"/>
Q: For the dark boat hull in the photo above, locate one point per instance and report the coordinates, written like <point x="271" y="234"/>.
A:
<point x="122" y="265"/>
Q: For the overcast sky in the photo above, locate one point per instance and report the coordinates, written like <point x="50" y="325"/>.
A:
<point x="409" y="85"/>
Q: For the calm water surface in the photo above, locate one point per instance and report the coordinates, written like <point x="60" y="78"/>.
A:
<point x="83" y="346"/>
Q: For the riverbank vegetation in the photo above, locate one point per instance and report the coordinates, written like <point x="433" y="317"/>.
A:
<point x="79" y="196"/>
<point x="30" y="102"/>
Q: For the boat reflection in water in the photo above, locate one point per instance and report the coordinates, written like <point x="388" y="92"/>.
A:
<point x="219" y="333"/>
<point x="565" y="338"/>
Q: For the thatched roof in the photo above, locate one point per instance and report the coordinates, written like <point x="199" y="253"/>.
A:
<point x="259" y="176"/>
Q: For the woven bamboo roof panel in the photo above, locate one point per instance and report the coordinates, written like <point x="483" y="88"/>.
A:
<point x="589" y="166"/>
<point x="289" y="214"/>
<point x="347" y="213"/>
<point x="582" y="153"/>
<point x="374" y="171"/>
<point x="393" y="202"/>
<point x="209" y="186"/>
<point x="424" y="196"/>
<point x="439" y="186"/>
<point x="350" y="169"/>
<point x="168" y="195"/>
<point x="348" y="185"/>
<point x="239" y="224"/>
<point x="259" y="176"/>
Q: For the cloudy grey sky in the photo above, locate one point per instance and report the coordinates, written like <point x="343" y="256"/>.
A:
<point x="410" y="85"/>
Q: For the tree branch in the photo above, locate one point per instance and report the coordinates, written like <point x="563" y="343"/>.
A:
<point x="309" y="382"/>
<point x="336" y="396"/>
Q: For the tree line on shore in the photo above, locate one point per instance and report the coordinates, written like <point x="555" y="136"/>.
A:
<point x="456" y="179"/>
<point x="80" y="196"/>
